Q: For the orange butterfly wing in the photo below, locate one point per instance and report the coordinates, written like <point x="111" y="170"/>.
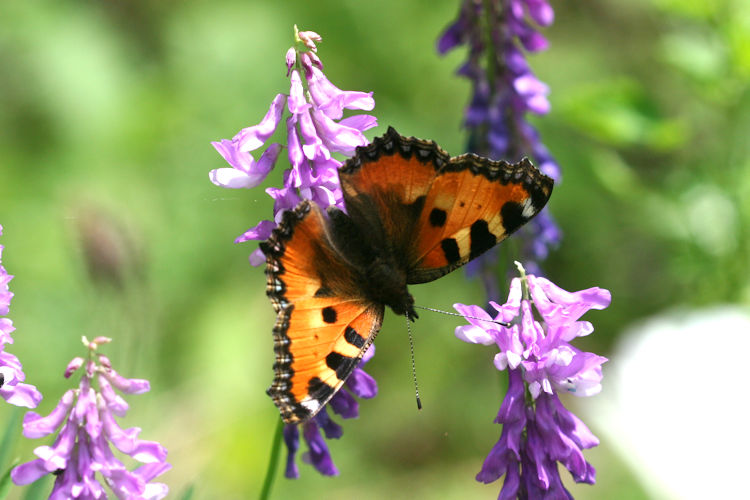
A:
<point x="323" y="325"/>
<point x="472" y="205"/>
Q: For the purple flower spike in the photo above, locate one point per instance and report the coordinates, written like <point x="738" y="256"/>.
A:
<point x="316" y="130"/>
<point x="538" y="431"/>
<point x="505" y="90"/>
<point x="88" y="427"/>
<point x="12" y="387"/>
<point x="317" y="135"/>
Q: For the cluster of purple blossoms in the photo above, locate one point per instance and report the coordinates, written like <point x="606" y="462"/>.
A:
<point x="504" y="91"/>
<point x="12" y="387"/>
<point x="315" y="130"/>
<point x="82" y="447"/>
<point x="538" y="431"/>
<point x="359" y="384"/>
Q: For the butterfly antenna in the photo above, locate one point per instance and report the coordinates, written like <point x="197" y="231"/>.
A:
<point x="413" y="365"/>
<point x="501" y="323"/>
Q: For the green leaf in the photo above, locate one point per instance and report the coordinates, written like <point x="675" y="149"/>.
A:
<point x="5" y="482"/>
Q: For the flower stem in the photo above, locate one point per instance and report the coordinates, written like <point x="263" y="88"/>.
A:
<point x="273" y="462"/>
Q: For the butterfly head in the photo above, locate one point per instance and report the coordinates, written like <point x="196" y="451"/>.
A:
<point x="406" y="307"/>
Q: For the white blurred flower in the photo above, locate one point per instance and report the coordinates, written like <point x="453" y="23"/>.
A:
<point x="676" y="404"/>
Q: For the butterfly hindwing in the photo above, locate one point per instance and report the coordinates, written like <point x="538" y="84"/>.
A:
<point x="323" y="324"/>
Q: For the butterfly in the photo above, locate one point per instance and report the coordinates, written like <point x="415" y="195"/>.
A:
<point x="413" y="214"/>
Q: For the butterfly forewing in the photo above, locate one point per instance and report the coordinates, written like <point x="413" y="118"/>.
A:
<point x="385" y="186"/>
<point x="472" y="205"/>
<point x="434" y="212"/>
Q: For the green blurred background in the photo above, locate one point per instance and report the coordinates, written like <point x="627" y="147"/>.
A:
<point x="111" y="226"/>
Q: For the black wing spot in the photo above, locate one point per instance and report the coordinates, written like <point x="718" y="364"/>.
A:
<point x="340" y="364"/>
<point x="437" y="217"/>
<point x="351" y="336"/>
<point x="481" y="238"/>
<point x="318" y="389"/>
<point x="450" y="249"/>
<point x="329" y="315"/>
<point x="512" y="214"/>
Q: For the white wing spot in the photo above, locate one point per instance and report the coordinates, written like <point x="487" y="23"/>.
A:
<point x="311" y="404"/>
<point x="528" y="209"/>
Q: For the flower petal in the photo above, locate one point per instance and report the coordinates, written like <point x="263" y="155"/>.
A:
<point x="25" y="395"/>
<point x="313" y="144"/>
<point x="474" y="335"/>
<point x="342" y="403"/>
<point x="291" y="59"/>
<point x="318" y="455"/>
<point x="291" y="439"/>
<point x="262" y="231"/>
<point x="331" y="100"/>
<point x="360" y="122"/>
<point x="28" y="472"/>
<point x="335" y="136"/>
<point x="36" y="426"/>
<point x="297" y="103"/>
<point x="362" y="384"/>
<point x="246" y="173"/>
<point x="251" y="138"/>
<point x="296" y="154"/>
<point x="257" y="258"/>
<point x="127" y="385"/>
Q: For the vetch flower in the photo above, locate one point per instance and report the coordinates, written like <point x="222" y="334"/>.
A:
<point x="504" y="91"/>
<point x="12" y="386"/>
<point x="316" y="130"/>
<point x="359" y="384"/>
<point x="538" y="431"/>
<point x="86" y="419"/>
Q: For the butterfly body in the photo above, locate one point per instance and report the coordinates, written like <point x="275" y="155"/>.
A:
<point x="413" y="214"/>
<point x="380" y="270"/>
